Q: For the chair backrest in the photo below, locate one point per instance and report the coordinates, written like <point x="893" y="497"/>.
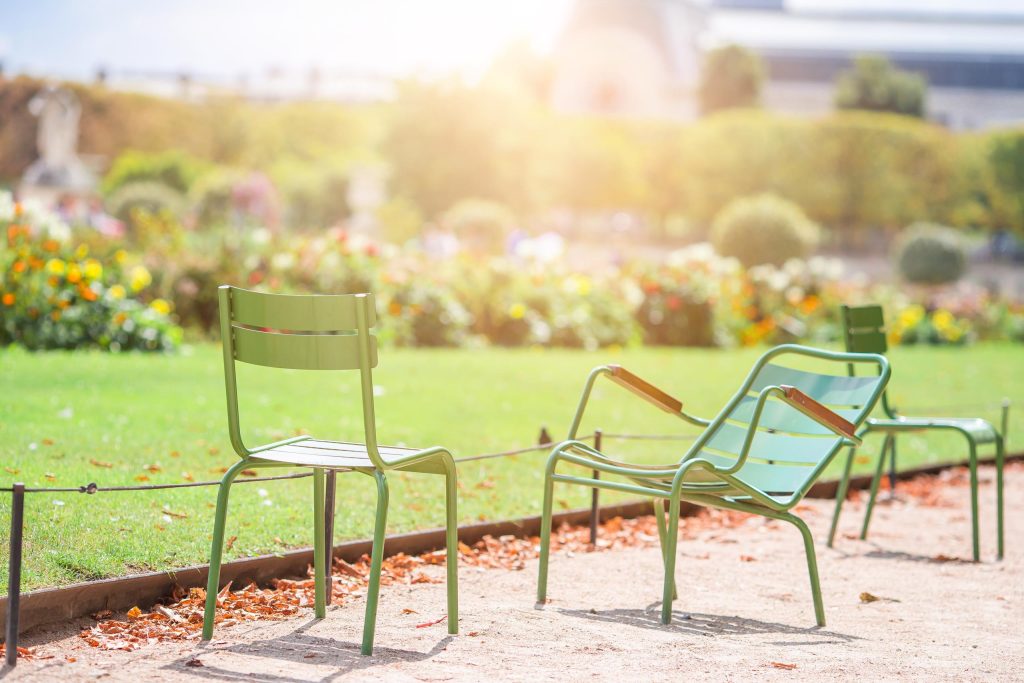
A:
<point x="302" y="332"/>
<point x="864" y="329"/>
<point x="788" y="449"/>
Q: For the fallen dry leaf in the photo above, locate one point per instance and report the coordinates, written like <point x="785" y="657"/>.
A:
<point x="99" y="463"/>
<point x="782" y="665"/>
<point x="153" y="469"/>
<point x="425" y="624"/>
<point x="134" y="613"/>
<point x="230" y="542"/>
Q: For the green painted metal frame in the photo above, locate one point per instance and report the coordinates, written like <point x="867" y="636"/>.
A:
<point x="735" y="494"/>
<point x="864" y="330"/>
<point x="352" y="315"/>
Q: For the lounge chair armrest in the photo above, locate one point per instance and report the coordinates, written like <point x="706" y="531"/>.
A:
<point x="820" y="413"/>
<point x="645" y="390"/>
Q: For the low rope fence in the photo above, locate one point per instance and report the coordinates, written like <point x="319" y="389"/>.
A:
<point x="544" y="442"/>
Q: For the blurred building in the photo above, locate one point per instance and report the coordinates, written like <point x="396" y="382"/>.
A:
<point x="642" y="57"/>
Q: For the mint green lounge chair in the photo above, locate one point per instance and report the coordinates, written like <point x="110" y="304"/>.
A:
<point x="760" y="455"/>
<point x="864" y="331"/>
<point x="320" y="333"/>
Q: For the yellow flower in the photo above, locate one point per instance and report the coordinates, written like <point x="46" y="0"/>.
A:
<point x="93" y="269"/>
<point x="82" y="251"/>
<point x="117" y="292"/>
<point x="583" y="286"/>
<point x="516" y="311"/>
<point x="55" y="266"/>
<point x="943" y="319"/>
<point x="912" y="315"/>
<point x="160" y="306"/>
<point x="140" y="278"/>
<point x="120" y="256"/>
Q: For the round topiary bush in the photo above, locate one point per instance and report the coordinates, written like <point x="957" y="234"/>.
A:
<point x="930" y="254"/>
<point x="764" y="228"/>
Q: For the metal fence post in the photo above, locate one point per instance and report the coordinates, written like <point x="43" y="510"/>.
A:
<point x="332" y="485"/>
<point x="14" y="572"/>
<point x="595" y="511"/>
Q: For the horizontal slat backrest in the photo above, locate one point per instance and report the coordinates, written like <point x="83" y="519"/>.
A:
<point x="301" y="351"/>
<point x="788" y="449"/>
<point x="864" y="329"/>
<point x="283" y="331"/>
<point x="303" y="312"/>
<point x="832" y="390"/>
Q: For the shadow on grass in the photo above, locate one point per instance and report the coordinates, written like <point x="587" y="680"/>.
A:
<point x="693" y="623"/>
<point x="325" y="659"/>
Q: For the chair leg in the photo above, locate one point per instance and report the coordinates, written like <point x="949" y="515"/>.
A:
<point x="217" y="550"/>
<point x="874" y="485"/>
<point x="812" y="566"/>
<point x="844" y="486"/>
<point x="452" y="545"/>
<point x="376" y="559"/>
<point x="659" y="517"/>
<point x="545" y="539"/>
<point x="892" y="469"/>
<point x="319" y="543"/>
<point x="669" y="550"/>
<point x="972" y="464"/>
<point x="1000" y="458"/>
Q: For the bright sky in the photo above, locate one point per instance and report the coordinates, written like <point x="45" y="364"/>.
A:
<point x="71" y="38"/>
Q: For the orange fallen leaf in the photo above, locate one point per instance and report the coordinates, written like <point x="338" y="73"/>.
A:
<point x="175" y="454"/>
<point x="11" y="470"/>
<point x="486" y="484"/>
<point x="409" y="610"/>
<point x="230" y="542"/>
<point x="50" y="476"/>
<point x="47" y="442"/>
<point x="187" y="476"/>
<point x="134" y="613"/>
<point x="153" y="469"/>
<point x="247" y="473"/>
<point x="431" y="623"/>
<point x="142" y="477"/>
<point x="782" y="665"/>
<point x="99" y="463"/>
<point x="748" y="558"/>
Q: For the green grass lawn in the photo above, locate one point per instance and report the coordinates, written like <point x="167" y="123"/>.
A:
<point x="63" y="416"/>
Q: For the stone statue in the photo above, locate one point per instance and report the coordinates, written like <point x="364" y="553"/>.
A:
<point x="58" y="166"/>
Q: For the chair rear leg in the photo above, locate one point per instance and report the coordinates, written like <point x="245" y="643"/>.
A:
<point x="972" y="465"/>
<point x="669" y="550"/>
<point x="217" y="549"/>
<point x="1000" y="459"/>
<point x="874" y="485"/>
<point x="319" y="543"/>
<point x="812" y="566"/>
<point x="376" y="559"/>
<point x="545" y="539"/>
<point x="892" y="470"/>
<point x="452" y="545"/>
<point x="659" y="517"/>
<point x="844" y="486"/>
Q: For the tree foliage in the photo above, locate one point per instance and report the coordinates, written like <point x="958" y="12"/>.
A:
<point x="731" y="77"/>
<point x="875" y="84"/>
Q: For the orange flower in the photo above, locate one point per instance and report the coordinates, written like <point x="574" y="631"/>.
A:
<point x="19" y="267"/>
<point x="51" y="245"/>
<point x="87" y="293"/>
<point x="395" y="308"/>
<point x="8" y="299"/>
<point x="810" y="304"/>
<point x="55" y="315"/>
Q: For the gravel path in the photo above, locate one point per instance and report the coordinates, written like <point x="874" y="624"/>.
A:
<point x="745" y="612"/>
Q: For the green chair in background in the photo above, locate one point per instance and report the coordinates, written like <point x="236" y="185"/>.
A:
<point x="864" y="332"/>
<point x="320" y="333"/>
<point x="760" y="455"/>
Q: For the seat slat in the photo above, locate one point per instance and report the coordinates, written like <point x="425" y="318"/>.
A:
<point x="303" y="312"/>
<point x="779" y="416"/>
<point x="767" y="446"/>
<point x="348" y="447"/>
<point x="300" y="351"/>
<point x="352" y="459"/>
<point x="771" y="479"/>
<point x="828" y="389"/>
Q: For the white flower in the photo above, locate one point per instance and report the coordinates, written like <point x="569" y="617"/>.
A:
<point x="6" y="206"/>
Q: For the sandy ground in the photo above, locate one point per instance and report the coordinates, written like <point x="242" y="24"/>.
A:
<point x="737" y="619"/>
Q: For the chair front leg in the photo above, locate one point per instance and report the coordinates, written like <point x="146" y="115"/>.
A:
<point x="972" y="465"/>
<point x="1000" y="458"/>
<point x="319" y="543"/>
<point x="844" y="486"/>
<point x="452" y="544"/>
<point x="545" y="532"/>
<point x="659" y="517"/>
<point x="376" y="559"/>
<point x="874" y="485"/>
<point x="812" y="565"/>
<point x="217" y="549"/>
<point x="669" y="550"/>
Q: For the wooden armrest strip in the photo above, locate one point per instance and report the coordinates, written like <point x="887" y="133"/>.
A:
<point x="816" y="410"/>
<point x="645" y="390"/>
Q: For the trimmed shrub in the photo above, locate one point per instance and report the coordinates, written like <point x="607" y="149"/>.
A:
<point x="930" y="254"/>
<point x="764" y="229"/>
<point x="480" y="224"/>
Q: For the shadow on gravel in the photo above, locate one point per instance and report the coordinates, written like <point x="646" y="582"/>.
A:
<point x="692" y="623"/>
<point x="297" y="647"/>
<point x="880" y="554"/>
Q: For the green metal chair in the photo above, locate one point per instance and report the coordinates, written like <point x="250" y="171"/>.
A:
<point x="320" y="333"/>
<point x="864" y="332"/>
<point x="760" y="455"/>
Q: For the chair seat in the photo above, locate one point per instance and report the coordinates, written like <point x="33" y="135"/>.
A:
<point x="335" y="455"/>
<point x="981" y="431"/>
